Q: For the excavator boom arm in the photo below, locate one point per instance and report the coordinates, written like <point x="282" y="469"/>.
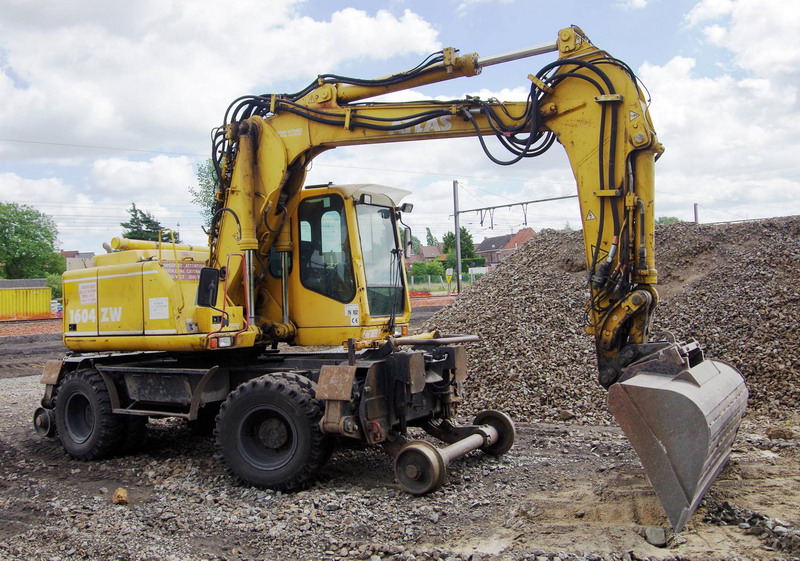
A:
<point x="592" y="105"/>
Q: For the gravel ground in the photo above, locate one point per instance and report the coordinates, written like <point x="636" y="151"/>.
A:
<point x="25" y="355"/>
<point x="566" y="490"/>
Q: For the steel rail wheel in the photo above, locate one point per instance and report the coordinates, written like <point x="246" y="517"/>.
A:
<point x="505" y="428"/>
<point x="420" y="468"/>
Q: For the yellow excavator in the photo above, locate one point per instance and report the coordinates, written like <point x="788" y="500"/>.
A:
<point x="161" y="329"/>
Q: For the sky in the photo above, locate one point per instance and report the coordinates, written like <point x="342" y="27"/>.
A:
<point x="106" y="104"/>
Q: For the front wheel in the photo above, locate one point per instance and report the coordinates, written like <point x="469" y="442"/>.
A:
<point x="87" y="428"/>
<point x="268" y="433"/>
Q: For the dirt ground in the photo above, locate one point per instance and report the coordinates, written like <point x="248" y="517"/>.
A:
<point x="564" y="491"/>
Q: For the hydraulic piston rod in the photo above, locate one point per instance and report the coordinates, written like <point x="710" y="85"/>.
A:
<point x="490" y="60"/>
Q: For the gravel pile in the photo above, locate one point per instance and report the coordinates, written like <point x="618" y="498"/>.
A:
<point x="735" y="288"/>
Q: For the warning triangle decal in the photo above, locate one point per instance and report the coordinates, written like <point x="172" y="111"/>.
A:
<point x="601" y="254"/>
<point x="590" y="216"/>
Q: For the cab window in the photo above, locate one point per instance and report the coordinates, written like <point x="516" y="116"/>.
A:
<point x="325" y="263"/>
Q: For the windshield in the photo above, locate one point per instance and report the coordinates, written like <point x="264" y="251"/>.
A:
<point x="382" y="265"/>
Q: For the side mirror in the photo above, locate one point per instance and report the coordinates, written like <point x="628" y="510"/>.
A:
<point x="406" y="207"/>
<point x="207" y="287"/>
<point x="408" y="246"/>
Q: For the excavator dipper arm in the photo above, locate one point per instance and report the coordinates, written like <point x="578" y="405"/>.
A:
<point x="679" y="410"/>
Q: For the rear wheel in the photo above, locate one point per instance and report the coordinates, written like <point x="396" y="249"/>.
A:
<point x="87" y="428"/>
<point x="268" y="433"/>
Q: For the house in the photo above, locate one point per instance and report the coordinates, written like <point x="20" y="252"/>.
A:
<point x="491" y="249"/>
<point x="427" y="253"/>
<point x="496" y="248"/>
<point x="78" y="259"/>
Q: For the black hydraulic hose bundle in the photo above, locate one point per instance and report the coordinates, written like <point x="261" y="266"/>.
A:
<point x="525" y="138"/>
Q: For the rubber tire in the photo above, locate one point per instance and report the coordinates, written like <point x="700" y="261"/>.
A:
<point x="329" y="442"/>
<point x="284" y="403"/>
<point x="87" y="428"/>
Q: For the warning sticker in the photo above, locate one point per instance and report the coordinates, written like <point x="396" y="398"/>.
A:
<point x="88" y="292"/>
<point x="633" y="115"/>
<point x="159" y="308"/>
<point x="590" y="216"/>
<point x="189" y="271"/>
<point x="352" y="311"/>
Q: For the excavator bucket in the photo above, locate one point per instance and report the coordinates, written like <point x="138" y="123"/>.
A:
<point x="681" y="425"/>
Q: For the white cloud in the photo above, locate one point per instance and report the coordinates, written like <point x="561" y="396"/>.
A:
<point x="709" y="9"/>
<point x="633" y="4"/>
<point x="730" y="141"/>
<point x="160" y="75"/>
<point x="758" y="33"/>
<point x="157" y="75"/>
<point x="466" y="5"/>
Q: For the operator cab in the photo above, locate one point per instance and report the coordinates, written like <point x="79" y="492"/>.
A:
<point x="347" y="278"/>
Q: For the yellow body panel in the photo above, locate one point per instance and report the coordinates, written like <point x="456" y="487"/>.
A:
<point x="79" y="293"/>
<point x="119" y="299"/>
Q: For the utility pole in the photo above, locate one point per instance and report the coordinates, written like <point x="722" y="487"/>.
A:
<point x="696" y="215"/>
<point x="458" y="236"/>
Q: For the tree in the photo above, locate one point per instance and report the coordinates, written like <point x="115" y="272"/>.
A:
<point x="467" y="245"/>
<point x="53" y="281"/>
<point x="450" y="262"/>
<point x="142" y="226"/>
<point x="416" y="245"/>
<point x="28" y="243"/>
<point x="469" y="258"/>
<point x="667" y="220"/>
<point x="423" y="269"/>
<point x="430" y="238"/>
<point x="204" y="192"/>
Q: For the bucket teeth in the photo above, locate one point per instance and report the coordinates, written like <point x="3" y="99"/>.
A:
<point x="682" y="427"/>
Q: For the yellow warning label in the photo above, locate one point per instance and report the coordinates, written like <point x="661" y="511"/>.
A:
<point x="590" y="216"/>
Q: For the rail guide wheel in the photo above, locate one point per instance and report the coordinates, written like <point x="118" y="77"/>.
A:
<point x="505" y="428"/>
<point x="420" y="468"/>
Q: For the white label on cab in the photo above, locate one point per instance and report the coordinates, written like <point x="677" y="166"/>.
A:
<point x="351" y="311"/>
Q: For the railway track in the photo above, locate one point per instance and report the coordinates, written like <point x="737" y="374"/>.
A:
<point x="30" y="327"/>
